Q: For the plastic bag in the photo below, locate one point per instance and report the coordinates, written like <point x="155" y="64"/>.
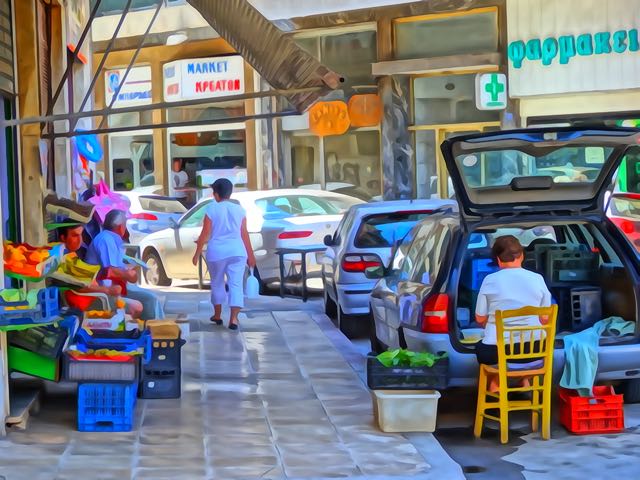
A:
<point x="252" y="288"/>
<point x="105" y="200"/>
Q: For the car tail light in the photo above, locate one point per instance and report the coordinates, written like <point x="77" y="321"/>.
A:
<point x="435" y="317"/>
<point x="290" y="235"/>
<point x="627" y="226"/>
<point x="144" y="216"/>
<point x="359" y="263"/>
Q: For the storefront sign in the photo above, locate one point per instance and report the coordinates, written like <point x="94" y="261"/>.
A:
<point x="203" y="78"/>
<point x="572" y="46"/>
<point x="491" y="91"/>
<point x="135" y="91"/>
<point x="365" y="110"/>
<point x="329" y="118"/>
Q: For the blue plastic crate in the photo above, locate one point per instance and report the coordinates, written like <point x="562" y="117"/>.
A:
<point x="47" y="308"/>
<point x="106" y="407"/>
<point x="119" y="341"/>
<point x="480" y="268"/>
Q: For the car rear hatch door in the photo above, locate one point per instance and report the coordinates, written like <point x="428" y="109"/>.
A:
<point x="535" y="171"/>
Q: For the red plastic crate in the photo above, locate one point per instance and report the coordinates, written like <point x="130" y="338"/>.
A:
<point x="602" y="413"/>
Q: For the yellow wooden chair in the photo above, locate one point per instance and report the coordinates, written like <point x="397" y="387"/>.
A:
<point x="539" y="370"/>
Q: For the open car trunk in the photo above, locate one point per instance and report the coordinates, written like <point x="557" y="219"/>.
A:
<point x="588" y="276"/>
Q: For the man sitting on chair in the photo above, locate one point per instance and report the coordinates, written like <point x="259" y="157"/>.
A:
<point x="107" y="250"/>
<point x="510" y="288"/>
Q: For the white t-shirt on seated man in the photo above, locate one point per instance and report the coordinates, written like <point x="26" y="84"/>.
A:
<point x="510" y="288"/>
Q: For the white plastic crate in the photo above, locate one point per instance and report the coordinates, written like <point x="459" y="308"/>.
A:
<point x="406" y="410"/>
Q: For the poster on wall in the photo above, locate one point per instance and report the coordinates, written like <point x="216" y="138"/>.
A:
<point x="572" y="46"/>
<point x="196" y="78"/>
<point x="135" y="91"/>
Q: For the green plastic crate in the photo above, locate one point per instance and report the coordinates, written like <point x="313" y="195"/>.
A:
<point x="33" y="364"/>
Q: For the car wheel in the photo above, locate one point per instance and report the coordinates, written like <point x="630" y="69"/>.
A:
<point x="155" y="274"/>
<point x="330" y="307"/>
<point x="377" y="346"/>
<point x="632" y="391"/>
<point x="352" y="326"/>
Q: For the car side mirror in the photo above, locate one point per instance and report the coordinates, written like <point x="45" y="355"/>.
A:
<point x="374" y="273"/>
<point x="328" y="240"/>
<point x="172" y="223"/>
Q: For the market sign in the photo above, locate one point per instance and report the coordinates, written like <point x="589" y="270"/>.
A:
<point x="491" y="91"/>
<point x="572" y="46"/>
<point x="135" y="91"/>
<point x="203" y="78"/>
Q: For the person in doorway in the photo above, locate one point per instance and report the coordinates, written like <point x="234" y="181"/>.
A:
<point x="228" y="251"/>
<point x="178" y="176"/>
<point x="509" y="288"/>
<point x="147" y="177"/>
<point x="107" y="250"/>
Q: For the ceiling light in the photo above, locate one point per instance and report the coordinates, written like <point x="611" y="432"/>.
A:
<point x="176" y="38"/>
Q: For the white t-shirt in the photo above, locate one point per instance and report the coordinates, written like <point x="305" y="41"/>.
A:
<point x="180" y="179"/>
<point x="510" y="289"/>
<point x="226" y="237"/>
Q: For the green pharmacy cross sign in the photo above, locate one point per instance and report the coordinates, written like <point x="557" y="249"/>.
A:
<point x="491" y="91"/>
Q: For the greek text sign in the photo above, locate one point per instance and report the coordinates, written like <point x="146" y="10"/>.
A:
<point x="203" y="78"/>
<point x="572" y="46"/>
<point x="135" y="91"/>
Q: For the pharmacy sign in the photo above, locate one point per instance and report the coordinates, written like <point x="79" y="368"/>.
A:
<point x="491" y="91"/>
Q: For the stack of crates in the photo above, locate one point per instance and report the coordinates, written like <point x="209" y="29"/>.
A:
<point x="107" y="387"/>
<point x="162" y="374"/>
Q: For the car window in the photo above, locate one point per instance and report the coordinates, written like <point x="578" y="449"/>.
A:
<point x="310" y="206"/>
<point x="415" y="249"/>
<point x="195" y="217"/>
<point x="386" y="229"/>
<point x="524" y="235"/>
<point x="432" y="253"/>
<point x="344" y="227"/>
<point x="295" y="205"/>
<point x="401" y="252"/>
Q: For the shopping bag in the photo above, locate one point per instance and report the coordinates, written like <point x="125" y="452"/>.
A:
<point x="252" y="288"/>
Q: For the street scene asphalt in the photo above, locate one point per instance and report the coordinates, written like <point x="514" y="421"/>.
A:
<point x="286" y="398"/>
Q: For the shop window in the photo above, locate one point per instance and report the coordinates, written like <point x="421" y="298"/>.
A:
<point x="455" y="35"/>
<point x="198" y="158"/>
<point x="130" y="119"/>
<point x="354" y="158"/>
<point x="448" y="99"/>
<point x="349" y="54"/>
<point x="132" y="162"/>
<point x="211" y="112"/>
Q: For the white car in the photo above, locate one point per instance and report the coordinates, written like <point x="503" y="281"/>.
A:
<point x="275" y="219"/>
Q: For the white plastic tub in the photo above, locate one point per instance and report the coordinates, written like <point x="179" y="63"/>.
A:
<point x="406" y="410"/>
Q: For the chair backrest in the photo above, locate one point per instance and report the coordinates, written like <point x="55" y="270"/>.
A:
<point x="523" y="342"/>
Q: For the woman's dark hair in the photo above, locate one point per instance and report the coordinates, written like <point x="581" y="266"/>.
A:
<point x="223" y="187"/>
<point x="507" y="248"/>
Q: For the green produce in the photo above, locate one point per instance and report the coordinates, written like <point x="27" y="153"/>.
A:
<point x="406" y="358"/>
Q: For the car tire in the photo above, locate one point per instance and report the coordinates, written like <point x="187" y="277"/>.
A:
<point x="330" y="307"/>
<point x="377" y="346"/>
<point x="352" y="326"/>
<point x="155" y="274"/>
<point x="632" y="391"/>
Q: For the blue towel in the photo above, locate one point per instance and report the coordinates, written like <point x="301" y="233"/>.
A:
<point x="581" y="353"/>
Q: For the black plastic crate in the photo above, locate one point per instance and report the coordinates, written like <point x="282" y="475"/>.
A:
<point x="47" y="341"/>
<point x="160" y="383"/>
<point x="165" y="355"/>
<point x="380" y="377"/>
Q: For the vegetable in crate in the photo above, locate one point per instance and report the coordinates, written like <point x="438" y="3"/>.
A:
<point x="406" y="358"/>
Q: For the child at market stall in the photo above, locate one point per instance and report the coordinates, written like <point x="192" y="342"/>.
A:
<point x="510" y="288"/>
<point x="228" y="250"/>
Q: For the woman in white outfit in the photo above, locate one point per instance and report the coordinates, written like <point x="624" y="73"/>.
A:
<point x="228" y="251"/>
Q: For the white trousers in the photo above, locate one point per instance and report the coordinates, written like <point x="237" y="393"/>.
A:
<point x="233" y="268"/>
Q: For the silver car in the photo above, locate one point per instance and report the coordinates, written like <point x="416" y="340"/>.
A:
<point x="275" y="219"/>
<point x="426" y="301"/>
<point x="365" y="238"/>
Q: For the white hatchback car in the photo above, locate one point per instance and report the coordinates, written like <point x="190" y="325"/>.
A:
<point x="366" y="238"/>
<point x="275" y="219"/>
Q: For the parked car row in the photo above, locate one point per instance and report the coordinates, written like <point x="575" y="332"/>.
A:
<point x="411" y="272"/>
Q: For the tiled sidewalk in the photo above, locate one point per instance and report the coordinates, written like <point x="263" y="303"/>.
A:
<point x="275" y="400"/>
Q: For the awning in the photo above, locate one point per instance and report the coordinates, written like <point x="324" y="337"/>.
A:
<point x="268" y="50"/>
